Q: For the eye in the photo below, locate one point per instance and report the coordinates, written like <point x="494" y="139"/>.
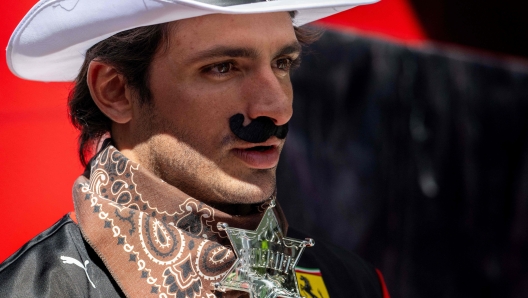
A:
<point x="287" y="63"/>
<point x="222" y="67"/>
<point x="219" y="69"/>
<point x="284" y="64"/>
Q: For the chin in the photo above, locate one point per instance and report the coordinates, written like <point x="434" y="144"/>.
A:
<point x="240" y="192"/>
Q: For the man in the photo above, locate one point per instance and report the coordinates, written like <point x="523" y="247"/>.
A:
<point x="189" y="104"/>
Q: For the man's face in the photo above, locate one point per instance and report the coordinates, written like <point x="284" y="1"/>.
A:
<point x="217" y="66"/>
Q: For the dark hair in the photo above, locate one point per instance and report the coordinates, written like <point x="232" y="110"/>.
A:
<point x="131" y="53"/>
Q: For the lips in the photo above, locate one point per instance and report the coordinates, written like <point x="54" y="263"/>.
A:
<point x="258" y="157"/>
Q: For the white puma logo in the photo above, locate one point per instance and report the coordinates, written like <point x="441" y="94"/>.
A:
<point x="68" y="260"/>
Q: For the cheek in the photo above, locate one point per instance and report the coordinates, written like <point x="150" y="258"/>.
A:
<point x="287" y="86"/>
<point x="289" y="94"/>
<point x="197" y="109"/>
<point x="201" y="99"/>
<point x="198" y="121"/>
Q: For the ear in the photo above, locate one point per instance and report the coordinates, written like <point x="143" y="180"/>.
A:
<point x="110" y="92"/>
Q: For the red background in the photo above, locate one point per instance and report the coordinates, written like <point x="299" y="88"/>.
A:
<point x="38" y="155"/>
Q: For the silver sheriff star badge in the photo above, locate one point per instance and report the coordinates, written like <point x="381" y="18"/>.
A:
<point x="265" y="265"/>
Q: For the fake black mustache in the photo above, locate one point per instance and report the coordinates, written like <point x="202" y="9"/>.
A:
<point x="258" y="131"/>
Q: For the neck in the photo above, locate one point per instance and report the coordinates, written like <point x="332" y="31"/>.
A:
<point x="238" y="209"/>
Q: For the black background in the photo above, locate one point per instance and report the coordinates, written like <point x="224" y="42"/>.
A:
<point x="496" y="26"/>
<point x="416" y="160"/>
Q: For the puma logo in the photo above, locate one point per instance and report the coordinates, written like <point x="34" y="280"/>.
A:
<point x="68" y="260"/>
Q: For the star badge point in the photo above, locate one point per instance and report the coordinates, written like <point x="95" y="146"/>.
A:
<point x="265" y="265"/>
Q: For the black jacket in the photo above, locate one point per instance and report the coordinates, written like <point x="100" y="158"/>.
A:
<point x="59" y="263"/>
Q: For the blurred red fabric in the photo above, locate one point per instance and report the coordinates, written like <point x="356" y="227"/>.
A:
<point x="38" y="155"/>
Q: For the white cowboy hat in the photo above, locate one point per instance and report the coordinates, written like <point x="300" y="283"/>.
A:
<point x="50" y="42"/>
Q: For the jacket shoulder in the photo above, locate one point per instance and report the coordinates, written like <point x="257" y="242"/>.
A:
<point x="344" y="273"/>
<point x="26" y="249"/>
<point x="56" y="263"/>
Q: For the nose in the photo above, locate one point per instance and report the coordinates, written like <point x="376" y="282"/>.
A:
<point x="269" y="94"/>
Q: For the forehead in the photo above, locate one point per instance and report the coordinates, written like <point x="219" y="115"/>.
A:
<point x="266" y="31"/>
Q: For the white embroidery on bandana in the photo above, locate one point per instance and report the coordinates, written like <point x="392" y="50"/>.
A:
<point x="68" y="260"/>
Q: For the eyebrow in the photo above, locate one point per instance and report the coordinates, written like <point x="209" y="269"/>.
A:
<point x="292" y="48"/>
<point x="242" y="52"/>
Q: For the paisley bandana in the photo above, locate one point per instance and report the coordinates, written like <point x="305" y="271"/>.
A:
<point x="155" y="240"/>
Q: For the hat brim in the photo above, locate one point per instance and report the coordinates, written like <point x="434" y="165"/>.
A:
<point x="50" y="42"/>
